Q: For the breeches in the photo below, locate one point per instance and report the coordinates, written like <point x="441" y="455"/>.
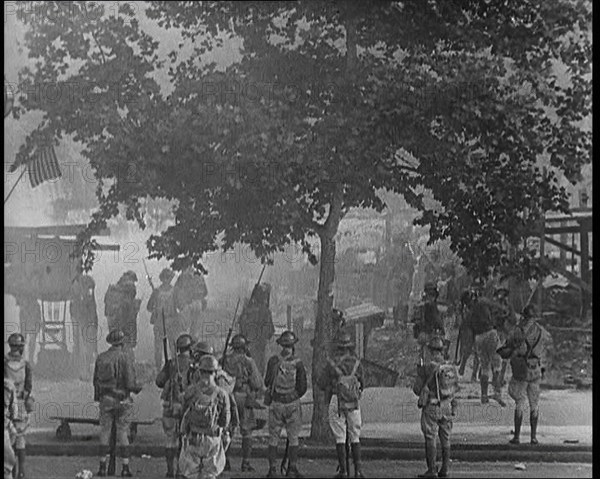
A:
<point x="486" y="345"/>
<point x="205" y="458"/>
<point x="524" y="391"/>
<point x="171" y="429"/>
<point x="288" y="416"/>
<point x="122" y="413"/>
<point x="339" y="422"/>
<point x="434" y="422"/>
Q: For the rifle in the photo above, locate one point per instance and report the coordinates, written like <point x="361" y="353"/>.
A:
<point x="148" y="277"/>
<point x="165" y="345"/>
<point x="255" y="289"/>
<point x="229" y="333"/>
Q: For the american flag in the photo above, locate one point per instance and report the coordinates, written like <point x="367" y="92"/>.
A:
<point x="44" y="166"/>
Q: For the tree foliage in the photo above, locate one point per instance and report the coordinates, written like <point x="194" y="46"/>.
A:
<point x="329" y="103"/>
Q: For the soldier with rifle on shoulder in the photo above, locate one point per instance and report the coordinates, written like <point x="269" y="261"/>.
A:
<point x="173" y="380"/>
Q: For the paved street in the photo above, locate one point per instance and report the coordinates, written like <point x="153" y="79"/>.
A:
<point x="66" y="468"/>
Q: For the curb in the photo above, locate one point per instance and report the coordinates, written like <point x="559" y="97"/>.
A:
<point x="460" y="452"/>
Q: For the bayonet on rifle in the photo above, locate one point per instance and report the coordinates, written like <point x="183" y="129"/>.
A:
<point x="229" y="333"/>
<point x="148" y="277"/>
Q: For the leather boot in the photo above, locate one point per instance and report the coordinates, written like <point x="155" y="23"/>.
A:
<point x="293" y="467"/>
<point x="21" y="463"/>
<point x="356" y="459"/>
<point x="533" y="420"/>
<point x="246" y="451"/>
<point x="272" y="455"/>
<point x="430" y="454"/>
<point x="484" y="389"/>
<point x="341" y="455"/>
<point x="170" y="456"/>
<point x="497" y="385"/>
<point x="445" y="462"/>
<point x="518" y="422"/>
<point x="125" y="454"/>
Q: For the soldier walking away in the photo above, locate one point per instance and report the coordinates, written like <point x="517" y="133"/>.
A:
<point x="190" y="299"/>
<point x="162" y="302"/>
<point x="30" y="321"/>
<point x="428" y="322"/>
<point x="84" y="314"/>
<point x="18" y="370"/>
<point x="466" y="336"/>
<point x="206" y="415"/>
<point x="256" y="324"/>
<point x="248" y="383"/>
<point x="121" y="308"/>
<point x="223" y="380"/>
<point x="173" y="380"/>
<point x="505" y="321"/>
<point x="10" y="432"/>
<point x="286" y="383"/>
<point x="481" y="322"/>
<point x="526" y="348"/>
<point x="114" y="381"/>
<point x="436" y="385"/>
<point x="343" y="382"/>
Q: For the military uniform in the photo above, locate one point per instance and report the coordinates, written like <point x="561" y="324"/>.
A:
<point x="528" y="344"/>
<point x="344" y="413"/>
<point x="248" y="383"/>
<point x="436" y="385"/>
<point x="173" y="380"/>
<point x="10" y="412"/>
<point x="256" y="325"/>
<point x="428" y="320"/>
<point x="30" y="321"/>
<point x="18" y="371"/>
<point x="190" y="299"/>
<point x="286" y="383"/>
<point x="480" y="320"/>
<point x="162" y="301"/>
<point x="121" y="309"/>
<point x="206" y="415"/>
<point x="84" y="314"/>
<point x="114" y="381"/>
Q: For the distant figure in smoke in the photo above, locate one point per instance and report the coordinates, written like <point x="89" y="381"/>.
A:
<point x="190" y="299"/>
<point x="256" y="324"/>
<point x="84" y="315"/>
<point x="30" y="321"/>
<point x="162" y="301"/>
<point x="121" y="308"/>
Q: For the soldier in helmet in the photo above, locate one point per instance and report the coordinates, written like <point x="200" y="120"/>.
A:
<point x="162" y="303"/>
<point x="248" y="384"/>
<point x="436" y="385"/>
<point x="206" y="415"/>
<point x="223" y="380"/>
<point x="121" y="308"/>
<point x="527" y="347"/>
<point x="190" y="294"/>
<point x="173" y="380"/>
<point x="286" y="383"/>
<point x="428" y="322"/>
<point x="505" y="321"/>
<point x="114" y="381"/>
<point x="343" y="381"/>
<point x="18" y="370"/>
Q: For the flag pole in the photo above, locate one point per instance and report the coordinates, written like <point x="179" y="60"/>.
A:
<point x="15" y="185"/>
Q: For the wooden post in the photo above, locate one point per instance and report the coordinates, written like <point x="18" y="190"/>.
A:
<point x="585" y="254"/>
<point x="288" y="314"/>
<point x="563" y="252"/>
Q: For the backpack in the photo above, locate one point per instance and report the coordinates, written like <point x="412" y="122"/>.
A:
<point x="106" y="372"/>
<point x="285" y="379"/>
<point x="237" y="366"/>
<point x="203" y="413"/>
<point x="164" y="302"/>
<point x="348" y="388"/>
<point x="447" y="380"/>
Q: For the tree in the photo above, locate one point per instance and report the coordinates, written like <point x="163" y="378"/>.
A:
<point x="329" y="103"/>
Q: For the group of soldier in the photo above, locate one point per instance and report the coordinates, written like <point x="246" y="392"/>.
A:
<point x="205" y="400"/>
<point x="492" y="331"/>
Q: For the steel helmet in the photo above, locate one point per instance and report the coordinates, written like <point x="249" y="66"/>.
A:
<point x="184" y="342"/>
<point x="239" y="341"/>
<point x="287" y="338"/>
<point x="202" y="348"/>
<point x="344" y="340"/>
<point x="436" y="344"/>
<point x="208" y="363"/>
<point x="16" y="339"/>
<point x="115" y="337"/>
